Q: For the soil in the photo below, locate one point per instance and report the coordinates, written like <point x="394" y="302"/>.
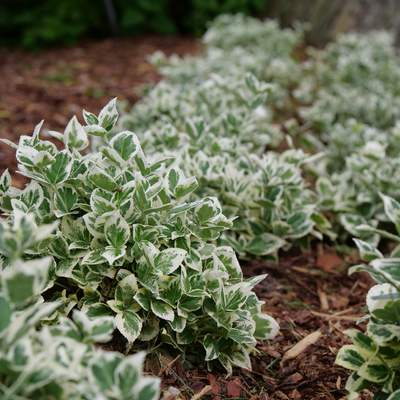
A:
<point x="309" y="294"/>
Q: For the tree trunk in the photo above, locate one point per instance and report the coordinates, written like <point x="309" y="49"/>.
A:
<point x="329" y="18"/>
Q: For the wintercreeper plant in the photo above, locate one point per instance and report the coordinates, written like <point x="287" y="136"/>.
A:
<point x="374" y="357"/>
<point x="129" y="246"/>
<point x="57" y="362"/>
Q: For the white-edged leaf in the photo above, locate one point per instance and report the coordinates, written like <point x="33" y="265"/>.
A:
<point x="210" y="344"/>
<point x="108" y="115"/>
<point x="74" y="135"/>
<point x="102" y="180"/>
<point x="264" y="244"/>
<point x="126" y="144"/>
<point x="129" y="324"/>
<point x="162" y="310"/>
<point x="116" y="230"/>
<point x="168" y="261"/>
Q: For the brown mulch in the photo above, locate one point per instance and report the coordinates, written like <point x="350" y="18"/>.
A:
<point x="306" y="293"/>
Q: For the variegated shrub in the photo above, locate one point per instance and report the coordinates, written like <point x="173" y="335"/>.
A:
<point x="270" y="199"/>
<point x="57" y="362"/>
<point x="129" y="246"/>
<point x="375" y="356"/>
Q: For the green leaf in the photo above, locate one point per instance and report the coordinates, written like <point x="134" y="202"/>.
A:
<point x="367" y="251"/>
<point x="25" y="279"/>
<point x="65" y="199"/>
<point x="240" y="358"/>
<point x="97" y="331"/>
<point x="101" y="370"/>
<point x="185" y="187"/>
<point x="168" y="261"/>
<point x="102" y="180"/>
<point x="90" y="118"/>
<point x="74" y="135"/>
<point x="65" y="267"/>
<point x="95" y="130"/>
<point x="43" y="159"/>
<point x="375" y="371"/>
<point x="264" y="244"/>
<point x="173" y="179"/>
<point x="98" y="310"/>
<point x="60" y="169"/>
<point x="108" y="115"/>
<point x="178" y="324"/>
<point x="162" y="310"/>
<point x="32" y="196"/>
<point x="206" y="211"/>
<point x="126" y="144"/>
<point x="116" y="230"/>
<point x="350" y="358"/>
<point x="129" y="373"/>
<point x="149" y="389"/>
<point x="190" y="303"/>
<point x="174" y="291"/>
<point x="5" y="181"/>
<point x="186" y="337"/>
<point x="211" y="346"/>
<point x="365" y="345"/>
<point x="389" y="267"/>
<point x="5" y="314"/>
<point x="240" y="336"/>
<point x="228" y="258"/>
<point x="266" y="327"/>
<point x="126" y="290"/>
<point x="129" y="324"/>
<point x="112" y="254"/>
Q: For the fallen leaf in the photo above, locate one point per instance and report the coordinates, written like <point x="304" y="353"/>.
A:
<point x="329" y="262"/>
<point x="296" y="377"/>
<point x="233" y="389"/>
<point x="215" y="388"/>
<point x="281" y="395"/>
<point x="197" y="386"/>
<point x="301" y="346"/>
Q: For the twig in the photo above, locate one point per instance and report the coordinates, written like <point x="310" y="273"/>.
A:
<point x="167" y="365"/>
<point x="338" y="317"/>
<point x="326" y="390"/>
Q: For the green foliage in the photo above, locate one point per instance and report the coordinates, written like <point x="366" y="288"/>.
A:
<point x="128" y="244"/>
<point x="60" y="361"/>
<point x="36" y="25"/>
<point x="214" y="118"/>
<point x="374" y="356"/>
<point x="226" y="102"/>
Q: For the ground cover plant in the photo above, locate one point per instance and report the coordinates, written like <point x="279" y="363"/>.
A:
<point x="126" y="247"/>
<point x="246" y="145"/>
<point x="60" y="361"/>
<point x="374" y="356"/>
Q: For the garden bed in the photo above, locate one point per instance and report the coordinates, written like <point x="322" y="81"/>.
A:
<point x="308" y="293"/>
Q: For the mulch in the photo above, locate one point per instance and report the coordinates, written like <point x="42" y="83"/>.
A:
<point x="309" y="293"/>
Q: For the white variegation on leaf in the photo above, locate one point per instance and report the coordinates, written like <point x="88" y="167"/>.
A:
<point x="75" y="136"/>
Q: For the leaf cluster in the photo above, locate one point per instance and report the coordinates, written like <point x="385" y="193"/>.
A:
<point x="129" y="246"/>
<point x="60" y="361"/>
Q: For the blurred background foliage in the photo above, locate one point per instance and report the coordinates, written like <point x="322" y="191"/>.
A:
<point x="36" y="24"/>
